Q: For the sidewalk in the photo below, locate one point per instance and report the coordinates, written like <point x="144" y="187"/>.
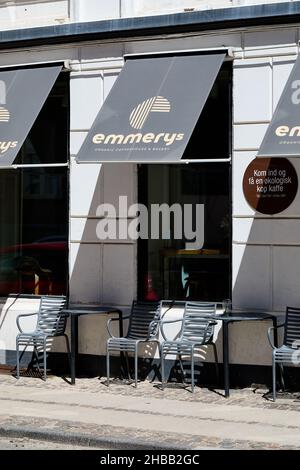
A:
<point x="123" y="417"/>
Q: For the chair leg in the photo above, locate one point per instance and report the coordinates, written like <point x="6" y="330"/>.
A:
<point x="127" y="366"/>
<point x="181" y="367"/>
<point x="281" y="377"/>
<point x="274" y="377"/>
<point x="36" y="353"/>
<point x="22" y="353"/>
<point x="68" y="350"/>
<point x="216" y="361"/>
<point x="136" y="365"/>
<point x="162" y="369"/>
<point x="18" y="360"/>
<point x="192" y="370"/>
<point x="107" y="366"/>
<point x="45" y="360"/>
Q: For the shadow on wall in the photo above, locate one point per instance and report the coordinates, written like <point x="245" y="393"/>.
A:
<point x="266" y="276"/>
<point x="100" y="272"/>
<point x="266" y="273"/>
<point x="85" y="251"/>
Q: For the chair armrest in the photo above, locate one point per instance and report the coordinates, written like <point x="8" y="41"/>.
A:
<point x="209" y="324"/>
<point x="109" y="323"/>
<point x="153" y="329"/>
<point x="164" y="322"/>
<point x="21" y="316"/>
<point x="272" y="328"/>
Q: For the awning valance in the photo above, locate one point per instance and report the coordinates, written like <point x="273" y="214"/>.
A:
<point x="282" y="138"/>
<point x="152" y="109"/>
<point x="22" y="95"/>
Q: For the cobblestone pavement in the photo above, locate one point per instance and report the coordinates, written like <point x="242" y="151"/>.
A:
<point x="256" y="396"/>
<point x="117" y="433"/>
<point x="35" y="444"/>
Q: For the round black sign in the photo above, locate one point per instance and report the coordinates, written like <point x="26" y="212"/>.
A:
<point x="270" y="184"/>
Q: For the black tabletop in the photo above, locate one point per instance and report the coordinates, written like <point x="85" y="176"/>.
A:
<point x="244" y="316"/>
<point x="93" y="310"/>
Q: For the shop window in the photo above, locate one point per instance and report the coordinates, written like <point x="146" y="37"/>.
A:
<point x="174" y="268"/>
<point x="34" y="205"/>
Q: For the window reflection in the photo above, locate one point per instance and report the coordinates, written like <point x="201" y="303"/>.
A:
<point x="167" y="268"/>
<point x="34" y="205"/>
<point x="33" y="231"/>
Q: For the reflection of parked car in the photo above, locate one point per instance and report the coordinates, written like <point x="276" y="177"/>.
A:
<point x="52" y="238"/>
<point x="39" y="268"/>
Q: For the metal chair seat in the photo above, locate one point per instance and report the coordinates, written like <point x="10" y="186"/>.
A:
<point x="33" y="336"/>
<point x="178" y="346"/>
<point x="122" y="344"/>
<point x="286" y="354"/>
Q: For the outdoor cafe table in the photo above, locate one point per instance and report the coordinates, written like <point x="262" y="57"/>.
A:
<point x="76" y="312"/>
<point x="230" y="317"/>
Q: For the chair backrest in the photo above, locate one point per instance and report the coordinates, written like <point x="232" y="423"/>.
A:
<point x="195" y="323"/>
<point x="51" y="319"/>
<point x="292" y="327"/>
<point x="142" y="314"/>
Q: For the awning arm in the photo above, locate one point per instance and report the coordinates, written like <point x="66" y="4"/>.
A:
<point x="65" y="64"/>
<point x="229" y="51"/>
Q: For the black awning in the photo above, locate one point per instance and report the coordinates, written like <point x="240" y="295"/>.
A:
<point x="22" y="95"/>
<point x="282" y="138"/>
<point x="152" y="109"/>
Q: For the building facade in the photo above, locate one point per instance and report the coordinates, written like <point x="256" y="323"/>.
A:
<point x="49" y="232"/>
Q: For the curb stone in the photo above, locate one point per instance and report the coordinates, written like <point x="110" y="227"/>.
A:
<point x="136" y="443"/>
<point x="113" y="443"/>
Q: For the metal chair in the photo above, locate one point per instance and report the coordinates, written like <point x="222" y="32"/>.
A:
<point x="197" y="330"/>
<point x="51" y="322"/>
<point x="143" y="328"/>
<point x="289" y="352"/>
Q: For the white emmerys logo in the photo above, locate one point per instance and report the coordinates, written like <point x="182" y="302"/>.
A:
<point x="4" y="117"/>
<point x="139" y="115"/>
<point x="4" y="113"/>
<point x="137" y="119"/>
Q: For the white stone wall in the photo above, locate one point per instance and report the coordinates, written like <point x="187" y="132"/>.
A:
<point x="159" y="7"/>
<point x="16" y="14"/>
<point x="94" y="10"/>
<point x="266" y="250"/>
<point x="19" y="14"/>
